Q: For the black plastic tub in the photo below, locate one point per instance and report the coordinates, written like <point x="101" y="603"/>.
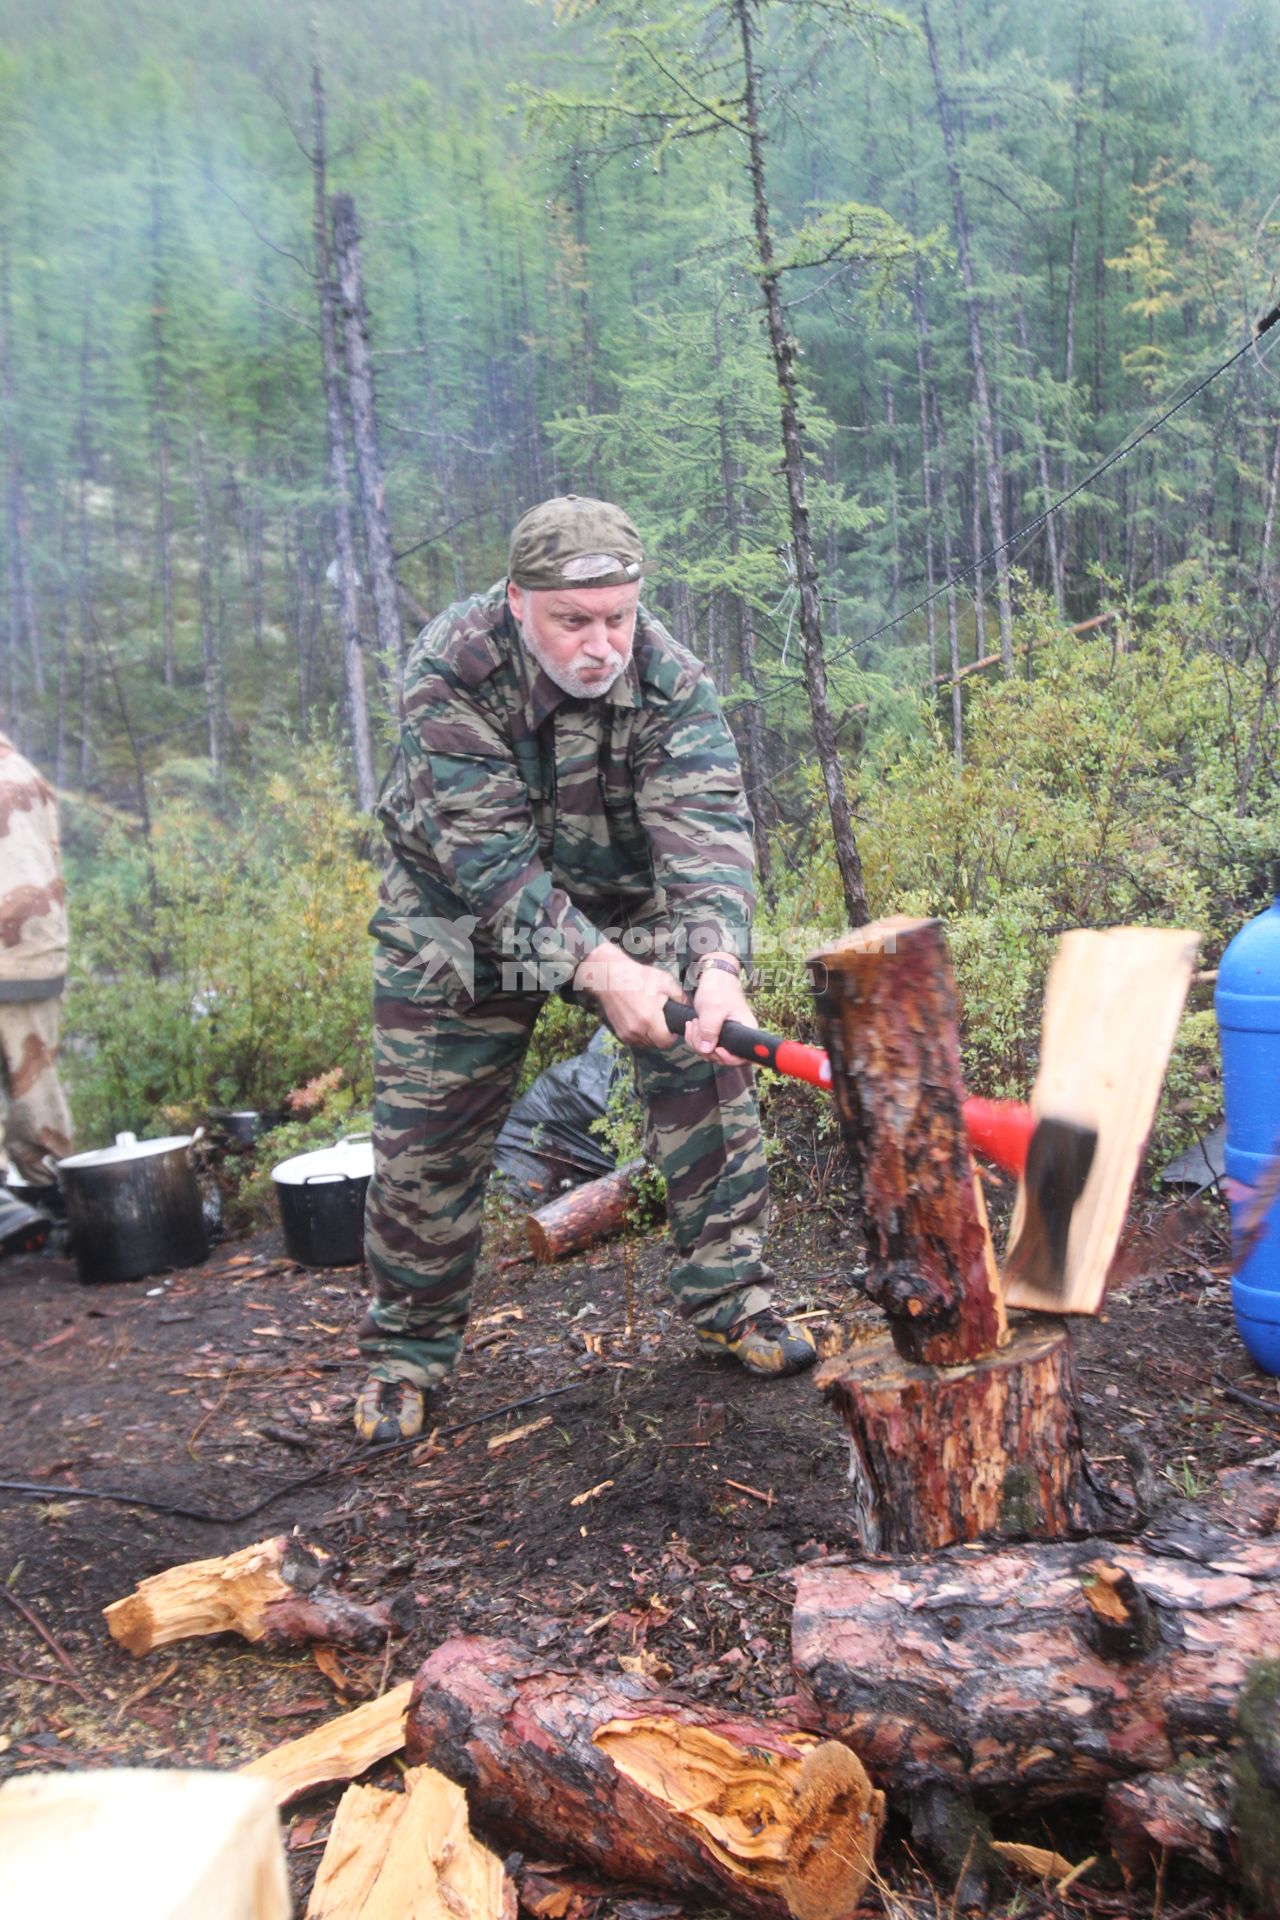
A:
<point x="321" y="1198"/>
<point x="134" y="1209"/>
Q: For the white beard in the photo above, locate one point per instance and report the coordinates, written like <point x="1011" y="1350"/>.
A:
<point x="570" y="679"/>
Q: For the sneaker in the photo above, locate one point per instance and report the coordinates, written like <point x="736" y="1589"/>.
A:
<point x="23" y="1229"/>
<point x="389" y="1410"/>
<point x="764" y="1342"/>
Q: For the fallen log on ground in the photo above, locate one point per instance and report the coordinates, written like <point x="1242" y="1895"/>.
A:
<point x="341" y="1749"/>
<point x="588" y="1213"/>
<point x="1029" y="1675"/>
<point x="1158" y="1815"/>
<point x="390" y="1855"/>
<point x="762" y="1818"/>
<point x="275" y="1593"/>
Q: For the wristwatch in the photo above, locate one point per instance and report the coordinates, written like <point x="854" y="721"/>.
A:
<point x="719" y="961"/>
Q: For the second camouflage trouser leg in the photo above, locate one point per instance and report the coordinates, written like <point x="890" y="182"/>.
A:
<point x="705" y="1125"/>
<point x="444" y="1080"/>
<point x="37" y="1125"/>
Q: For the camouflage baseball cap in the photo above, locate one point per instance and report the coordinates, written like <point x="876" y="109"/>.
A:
<point x="573" y="541"/>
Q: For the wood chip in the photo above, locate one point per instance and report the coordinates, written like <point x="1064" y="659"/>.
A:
<point x="1037" y="1862"/>
<point x="501" y="1440"/>
<point x="580" y="1499"/>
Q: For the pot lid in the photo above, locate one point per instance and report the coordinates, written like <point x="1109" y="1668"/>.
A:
<point x="350" y="1159"/>
<point x="127" y="1147"/>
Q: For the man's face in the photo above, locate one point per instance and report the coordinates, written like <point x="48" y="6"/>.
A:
<point x="580" y="636"/>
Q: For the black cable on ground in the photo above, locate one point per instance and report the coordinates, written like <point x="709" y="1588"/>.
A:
<point x="357" y="1458"/>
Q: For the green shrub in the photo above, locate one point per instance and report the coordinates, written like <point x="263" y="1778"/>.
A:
<point x="219" y="965"/>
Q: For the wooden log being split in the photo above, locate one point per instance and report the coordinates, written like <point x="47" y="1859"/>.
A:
<point x="342" y="1749"/>
<point x="589" y="1213"/>
<point x="408" y="1856"/>
<point x="125" y="1843"/>
<point x="764" y="1819"/>
<point x="886" y="999"/>
<point x="986" y="1671"/>
<point x="275" y="1593"/>
<point x="992" y="1448"/>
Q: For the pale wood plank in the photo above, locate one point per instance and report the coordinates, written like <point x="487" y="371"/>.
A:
<point x="1111" y="1011"/>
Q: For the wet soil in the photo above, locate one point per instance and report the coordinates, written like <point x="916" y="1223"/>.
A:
<point x="595" y="1487"/>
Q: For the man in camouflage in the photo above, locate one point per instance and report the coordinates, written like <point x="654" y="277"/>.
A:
<point x="33" y="969"/>
<point x="568" y="815"/>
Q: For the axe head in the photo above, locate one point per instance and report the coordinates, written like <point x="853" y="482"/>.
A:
<point x="1059" y="1158"/>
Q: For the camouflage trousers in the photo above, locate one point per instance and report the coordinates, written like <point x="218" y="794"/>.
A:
<point x="444" y="1080"/>
<point x="37" y="1125"/>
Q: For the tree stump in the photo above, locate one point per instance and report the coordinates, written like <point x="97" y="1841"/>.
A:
<point x="939" y="1456"/>
<point x="887" y="1003"/>
<point x="758" y="1817"/>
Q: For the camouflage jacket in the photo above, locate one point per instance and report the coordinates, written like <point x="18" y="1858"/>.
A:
<point x="535" y="822"/>
<point x="33" y="919"/>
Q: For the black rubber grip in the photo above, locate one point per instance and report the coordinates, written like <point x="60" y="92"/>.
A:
<point x="749" y="1043"/>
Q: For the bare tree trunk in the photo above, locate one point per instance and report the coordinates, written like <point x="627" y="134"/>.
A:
<point x="339" y="475"/>
<point x="929" y="405"/>
<point x="377" y="533"/>
<point x="977" y="351"/>
<point x="895" y="531"/>
<point x="744" y="637"/>
<point x="22" y="613"/>
<point x="926" y="469"/>
<point x="209" y="650"/>
<point x="783" y="350"/>
<point x="979" y="572"/>
<point x="84" y="583"/>
<point x="1046" y="484"/>
<point x="160" y="426"/>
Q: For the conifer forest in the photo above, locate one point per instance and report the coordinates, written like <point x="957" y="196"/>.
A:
<point x="927" y="345"/>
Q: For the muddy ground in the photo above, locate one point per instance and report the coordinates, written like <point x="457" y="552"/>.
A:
<point x="219" y="1386"/>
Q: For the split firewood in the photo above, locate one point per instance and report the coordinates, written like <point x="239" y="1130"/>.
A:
<point x="275" y="1594"/>
<point x="395" y="1854"/>
<point x="887" y="1003"/>
<point x="125" y="1843"/>
<point x="1111" y="1009"/>
<point x="594" y="1211"/>
<point x="985" y="1671"/>
<point x="342" y="1749"/>
<point x="1186" y="1814"/>
<point x="992" y="1448"/>
<point x="762" y="1818"/>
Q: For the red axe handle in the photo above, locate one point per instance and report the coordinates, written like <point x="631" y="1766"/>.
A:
<point x="1000" y="1130"/>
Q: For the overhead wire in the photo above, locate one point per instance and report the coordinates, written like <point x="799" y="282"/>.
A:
<point x="1023" y="533"/>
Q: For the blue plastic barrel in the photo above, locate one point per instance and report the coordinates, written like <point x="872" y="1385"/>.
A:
<point x="1247" y="1003"/>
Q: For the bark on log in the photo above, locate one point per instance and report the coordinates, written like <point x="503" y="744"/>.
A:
<point x="273" y="1593"/>
<point x="886" y="999"/>
<point x="982" y="1670"/>
<point x="992" y="1448"/>
<point x="339" y="1750"/>
<point x="408" y="1856"/>
<point x="1158" y="1814"/>
<point x="588" y="1213"/>
<point x="764" y="1819"/>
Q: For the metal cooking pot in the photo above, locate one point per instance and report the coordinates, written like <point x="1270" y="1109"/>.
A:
<point x="134" y="1208"/>
<point x="321" y="1198"/>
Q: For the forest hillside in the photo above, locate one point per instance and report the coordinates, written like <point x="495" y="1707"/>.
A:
<point x="300" y="306"/>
